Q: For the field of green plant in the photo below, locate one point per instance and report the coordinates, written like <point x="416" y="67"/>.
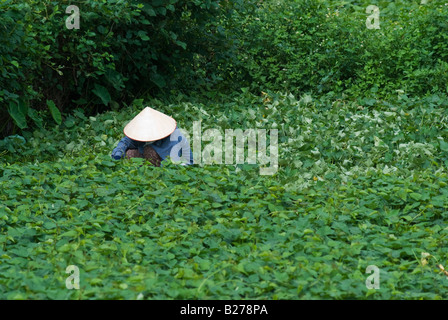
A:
<point x="359" y="183"/>
<point x="362" y="150"/>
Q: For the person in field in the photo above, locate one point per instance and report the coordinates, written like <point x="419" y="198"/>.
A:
<point x="154" y="136"/>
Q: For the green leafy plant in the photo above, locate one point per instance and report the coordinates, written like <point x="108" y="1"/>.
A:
<point x="357" y="185"/>
<point x="123" y="49"/>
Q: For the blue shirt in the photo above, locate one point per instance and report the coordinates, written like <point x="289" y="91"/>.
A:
<point x="175" y="146"/>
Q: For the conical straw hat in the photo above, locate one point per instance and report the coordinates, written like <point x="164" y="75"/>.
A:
<point x="150" y="125"/>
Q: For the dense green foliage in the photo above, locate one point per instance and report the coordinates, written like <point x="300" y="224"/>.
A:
<point x="363" y="149"/>
<point x="360" y="183"/>
<point x="325" y="46"/>
<point x="123" y="49"/>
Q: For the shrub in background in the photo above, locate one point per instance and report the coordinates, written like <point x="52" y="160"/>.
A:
<point x="325" y="46"/>
<point x="127" y="49"/>
<point x="122" y="50"/>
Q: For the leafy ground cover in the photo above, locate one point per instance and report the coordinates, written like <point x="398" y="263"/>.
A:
<point x="359" y="183"/>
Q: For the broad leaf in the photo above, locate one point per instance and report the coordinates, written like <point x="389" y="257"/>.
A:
<point x="55" y="113"/>
<point x="102" y="93"/>
<point x="18" y="117"/>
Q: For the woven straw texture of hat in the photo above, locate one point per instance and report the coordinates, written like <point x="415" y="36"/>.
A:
<point x="150" y="125"/>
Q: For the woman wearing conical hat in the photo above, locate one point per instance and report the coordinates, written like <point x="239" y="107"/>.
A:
<point x="154" y="136"/>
